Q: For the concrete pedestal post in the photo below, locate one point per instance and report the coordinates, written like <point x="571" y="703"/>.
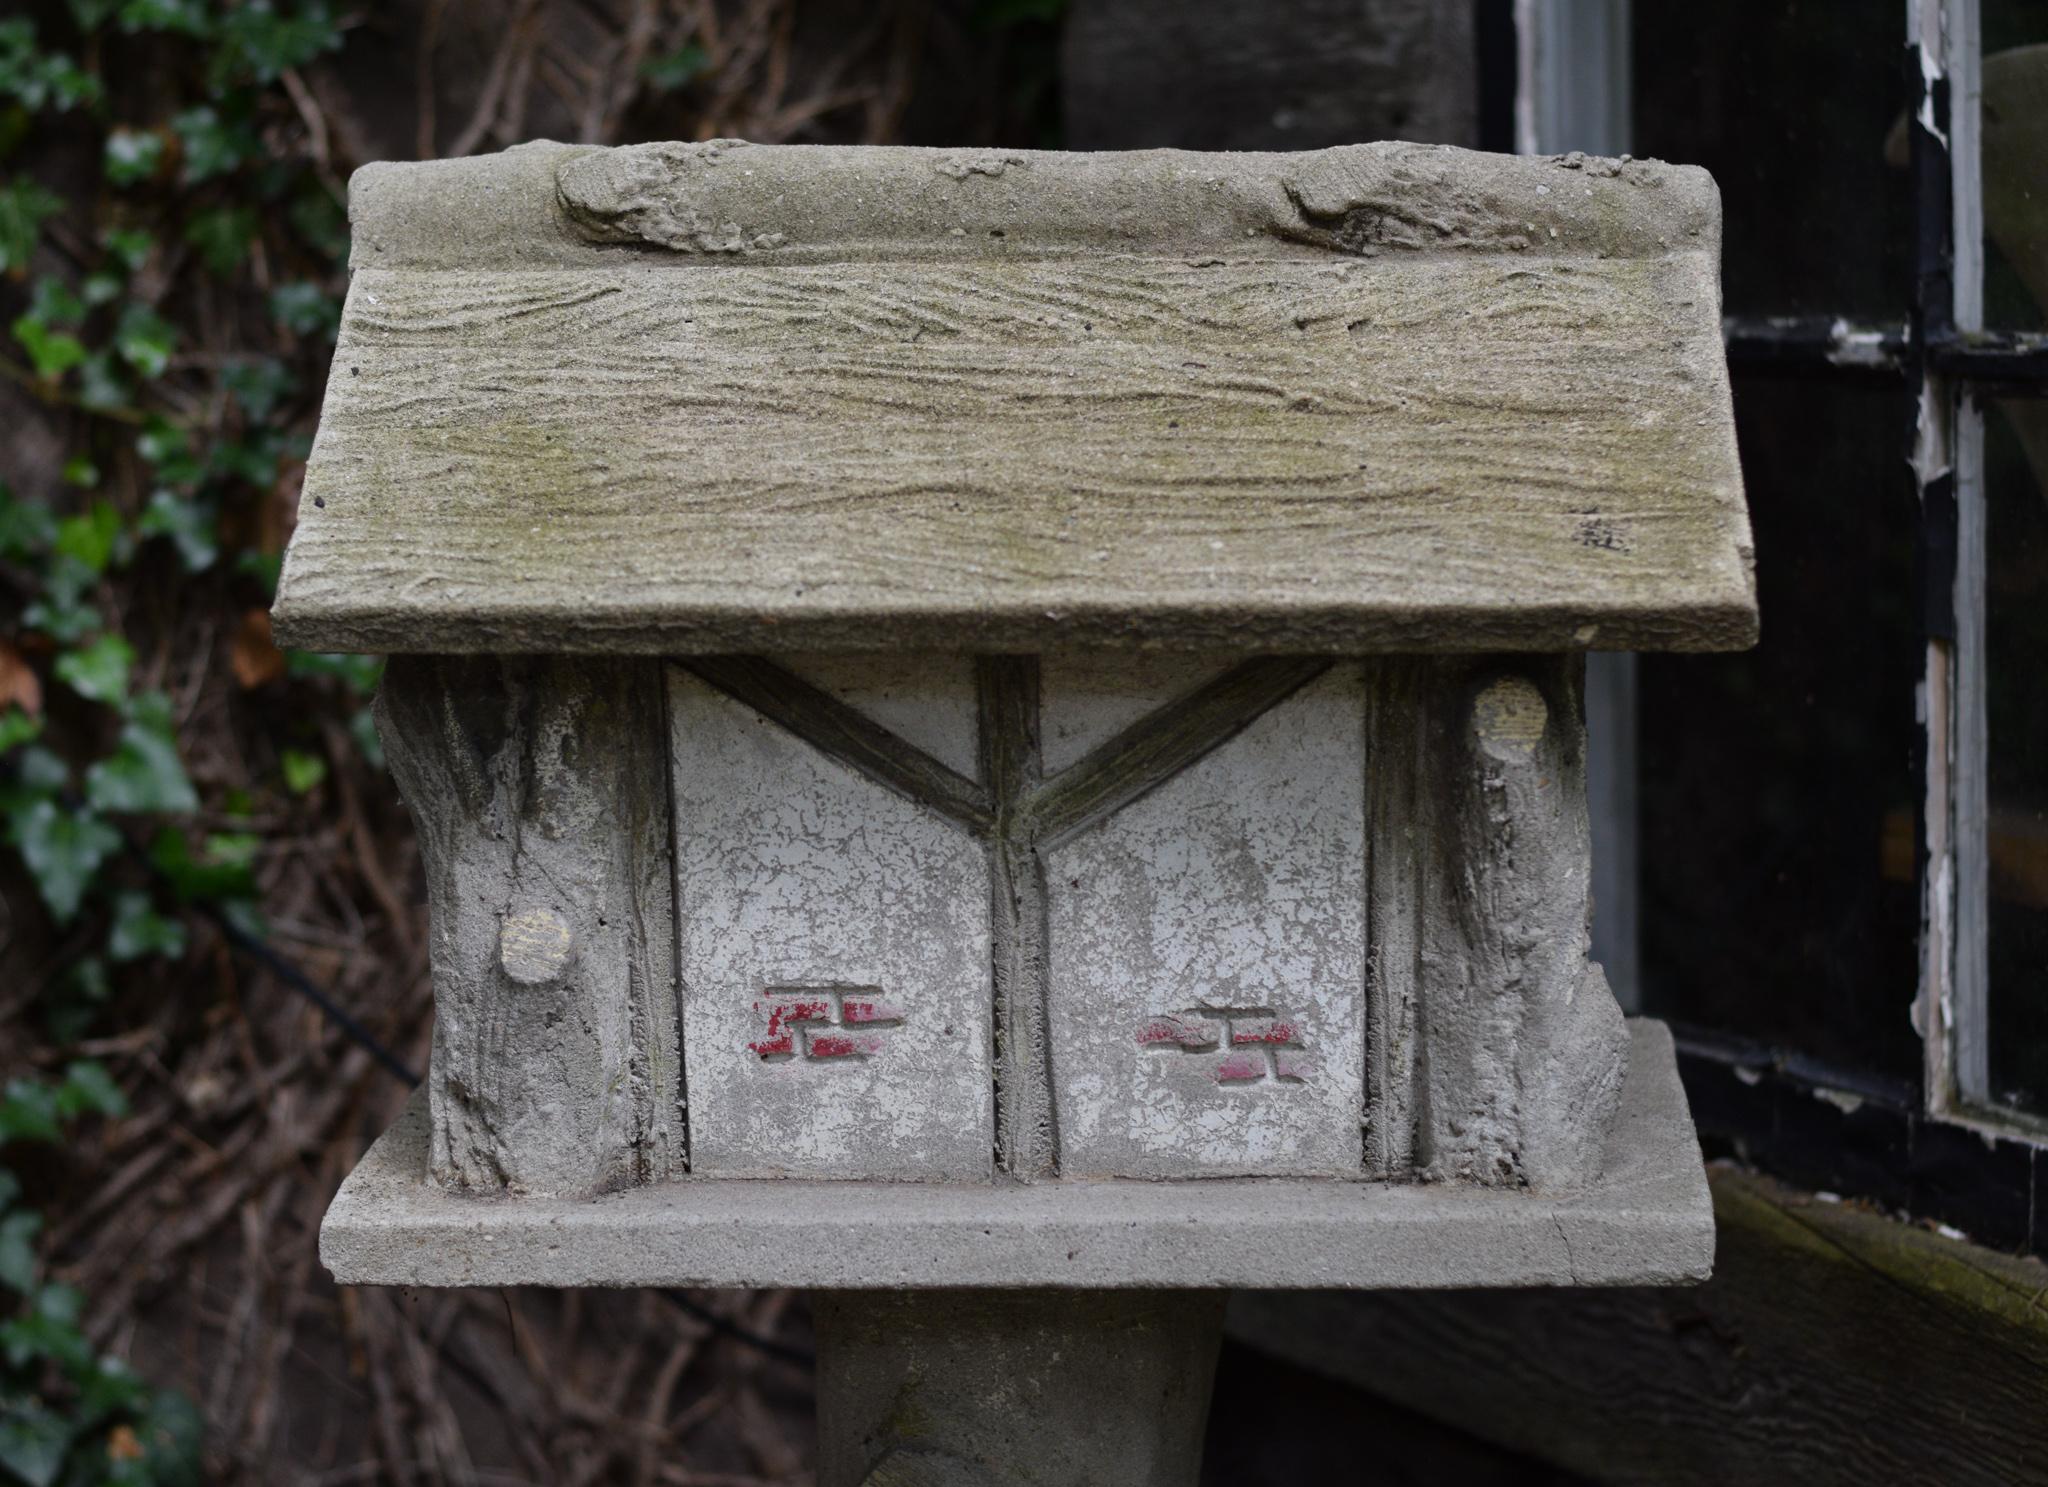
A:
<point x="986" y="1388"/>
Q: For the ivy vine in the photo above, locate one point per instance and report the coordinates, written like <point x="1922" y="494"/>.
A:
<point x="172" y="237"/>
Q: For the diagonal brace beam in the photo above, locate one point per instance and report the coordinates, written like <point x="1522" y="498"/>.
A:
<point x="1160" y="745"/>
<point x="847" y="734"/>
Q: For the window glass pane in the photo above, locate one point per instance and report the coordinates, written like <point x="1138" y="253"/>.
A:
<point x="1779" y="787"/>
<point x="2015" y="143"/>
<point x="2016" y="701"/>
<point x="1790" y="106"/>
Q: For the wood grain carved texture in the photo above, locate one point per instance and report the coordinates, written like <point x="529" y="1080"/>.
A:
<point x="538" y="790"/>
<point x="1832" y="1346"/>
<point x="724" y="200"/>
<point x="1416" y="451"/>
<point x="1481" y="859"/>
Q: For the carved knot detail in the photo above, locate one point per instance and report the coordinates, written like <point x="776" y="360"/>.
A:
<point x="534" y="946"/>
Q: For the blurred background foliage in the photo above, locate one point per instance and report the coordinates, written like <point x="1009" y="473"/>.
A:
<point x="211" y="950"/>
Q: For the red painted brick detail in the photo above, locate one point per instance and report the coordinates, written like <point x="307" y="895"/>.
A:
<point x="818" y="1013"/>
<point x="1262" y="1030"/>
<point x="1173" y="1031"/>
<point x="1294" y="1065"/>
<point x="839" y="1045"/>
<point x="1261" y="1044"/>
<point x="1240" y="1068"/>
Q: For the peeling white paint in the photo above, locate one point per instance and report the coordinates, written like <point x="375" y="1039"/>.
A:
<point x="1858" y="346"/>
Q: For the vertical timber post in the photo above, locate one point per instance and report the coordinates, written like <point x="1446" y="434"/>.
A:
<point x="539" y="790"/>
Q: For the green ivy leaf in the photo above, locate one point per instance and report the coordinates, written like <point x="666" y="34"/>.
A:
<point x="261" y="567"/>
<point x="259" y="385"/>
<point x="24" y="206"/>
<point x="27" y="528"/>
<point x="34" y="1440"/>
<point x="28" y="1111"/>
<point x="111" y="1387"/>
<point x="171" y="1432"/>
<point x="213" y="146"/>
<point x="133" y="155"/>
<point x="37" y="773"/>
<point x="145" y="340"/>
<point x="18" y="58"/>
<point x="676" y="69"/>
<point x="321" y="221"/>
<point x="63" y="851"/>
<point x="92" y="539"/>
<point x="138" y="930"/>
<point x="99" y="669"/>
<point x="80" y="471"/>
<point x="358" y="673"/>
<point x="169" y="448"/>
<point x="302" y="771"/>
<point x="131" y="246"/>
<point x="87" y="979"/>
<point x="222" y="235"/>
<point x="234" y="849"/>
<point x="85" y="987"/>
<point x="54" y="302"/>
<point x="143" y="774"/>
<point x="305" y="309"/>
<point x="254" y="459"/>
<point x="18" y="1250"/>
<point x="224" y="870"/>
<point x="88" y="1089"/>
<point x="48" y="1330"/>
<point x="101" y="382"/>
<point x="62" y="616"/>
<point x="38" y="78"/>
<point x="264" y="42"/>
<point x="51" y="352"/>
<point x="18" y="728"/>
<point x="188" y="524"/>
<point x="187" y="17"/>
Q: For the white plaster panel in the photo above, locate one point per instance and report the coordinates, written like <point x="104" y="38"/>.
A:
<point x="923" y="698"/>
<point x="1088" y="697"/>
<point x="834" y="947"/>
<point x="1207" y="988"/>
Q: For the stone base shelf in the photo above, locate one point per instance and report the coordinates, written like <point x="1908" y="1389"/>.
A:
<point x="1648" y="1220"/>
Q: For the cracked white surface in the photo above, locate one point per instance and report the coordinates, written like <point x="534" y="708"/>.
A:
<point x="1237" y="885"/>
<point x="795" y="872"/>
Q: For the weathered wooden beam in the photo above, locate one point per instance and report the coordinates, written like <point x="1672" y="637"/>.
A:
<point x="1027" y="1116"/>
<point x="1162" y="744"/>
<point x="848" y="735"/>
<point x="1833" y="1345"/>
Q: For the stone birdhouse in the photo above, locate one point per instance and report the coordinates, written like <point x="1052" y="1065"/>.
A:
<point x="1003" y="719"/>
